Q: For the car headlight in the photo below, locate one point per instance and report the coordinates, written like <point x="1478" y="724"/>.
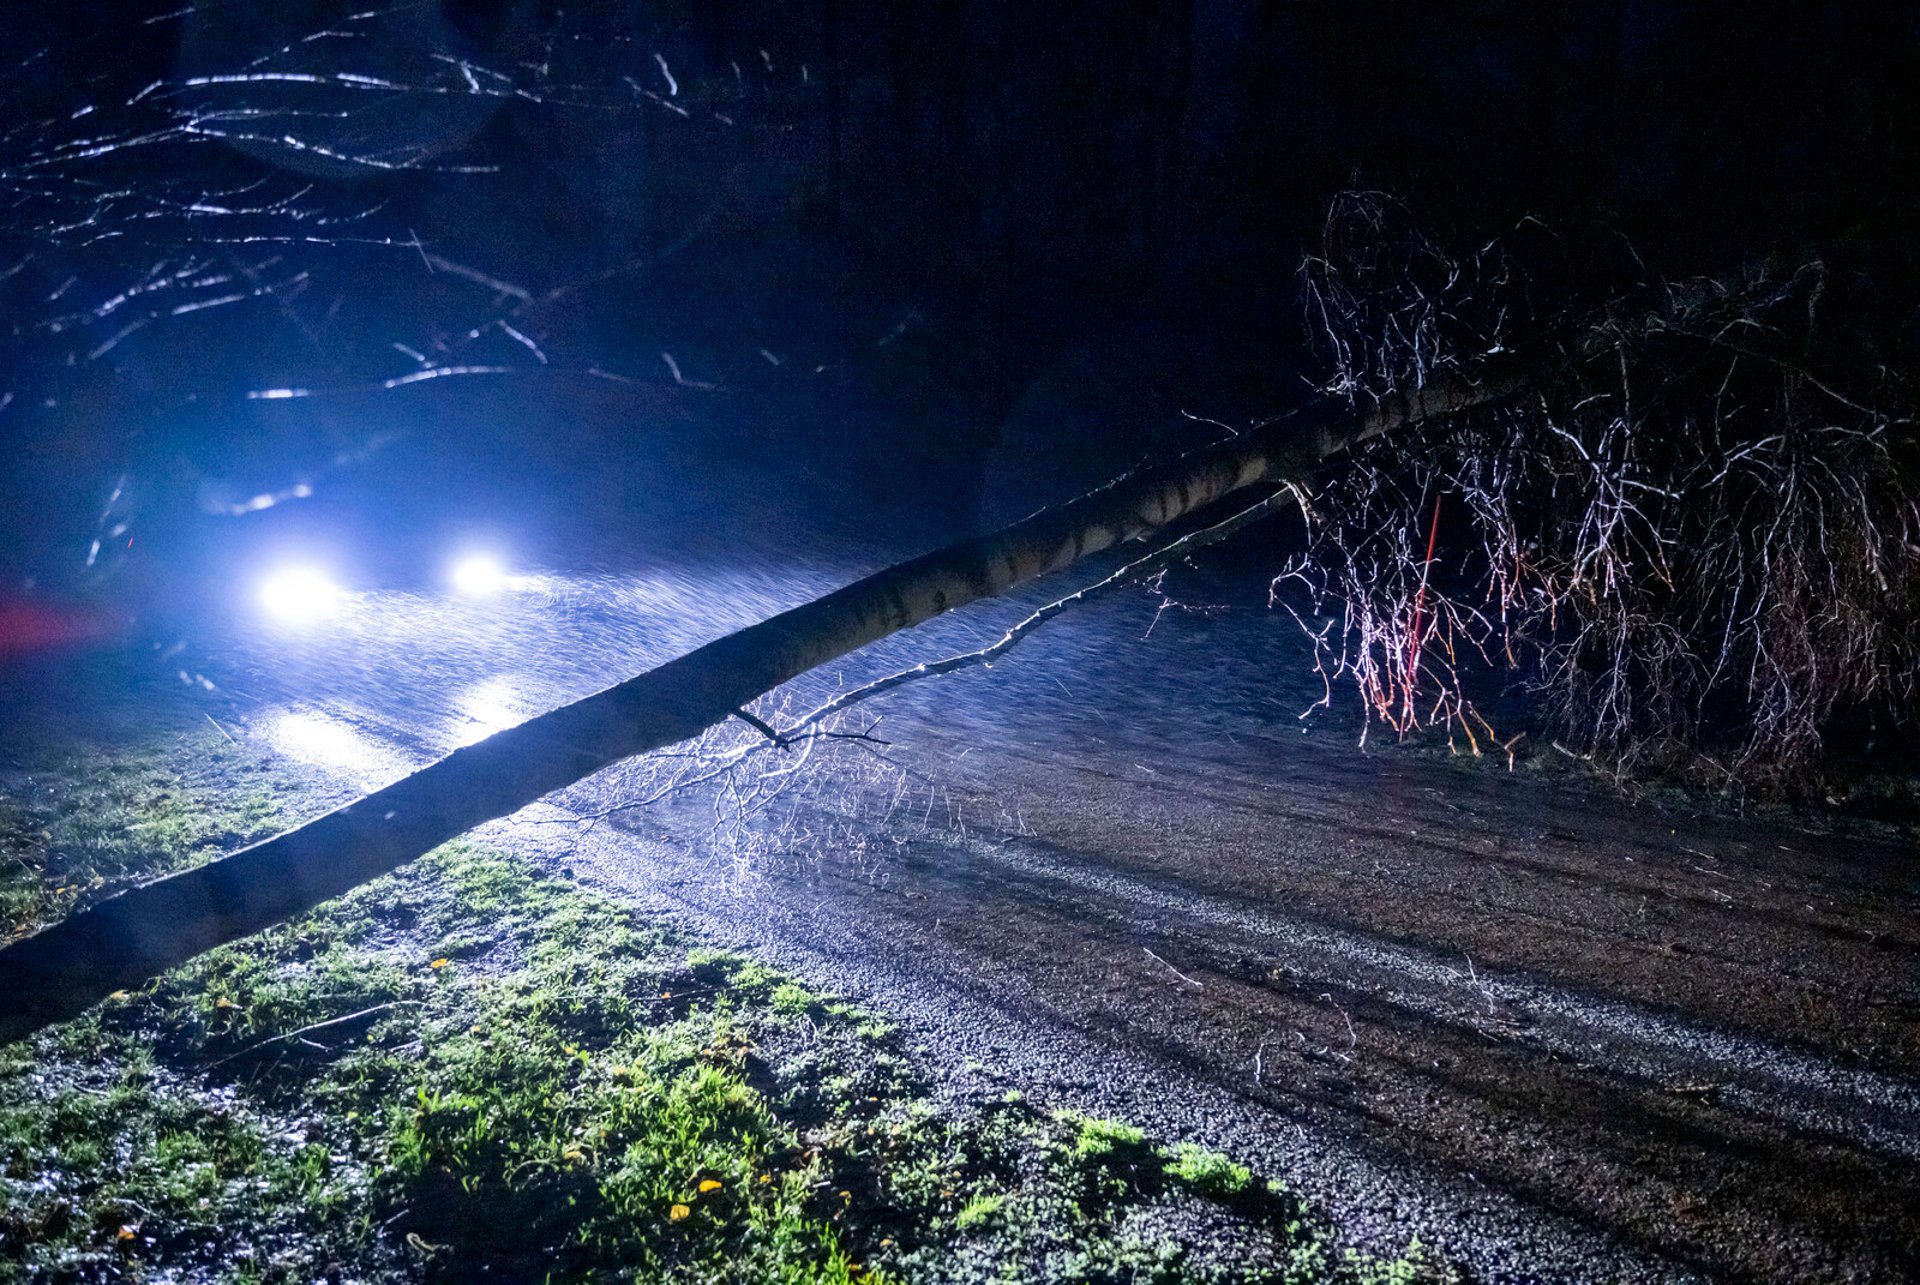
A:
<point x="299" y="595"/>
<point x="478" y="575"/>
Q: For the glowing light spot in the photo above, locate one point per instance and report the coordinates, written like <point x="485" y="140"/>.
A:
<point x="301" y="491"/>
<point x="300" y="595"/>
<point x="489" y="707"/>
<point x="328" y="743"/>
<point x="479" y="575"/>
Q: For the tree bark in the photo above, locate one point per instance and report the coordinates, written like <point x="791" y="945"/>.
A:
<point x="128" y="939"/>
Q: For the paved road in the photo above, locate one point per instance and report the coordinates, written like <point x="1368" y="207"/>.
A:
<point x="1562" y="1035"/>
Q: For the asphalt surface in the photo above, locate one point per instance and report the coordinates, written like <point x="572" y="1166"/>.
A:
<point x="1555" y="1032"/>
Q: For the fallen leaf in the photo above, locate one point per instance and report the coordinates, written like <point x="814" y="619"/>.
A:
<point x="710" y="1184"/>
<point x="678" y="1212"/>
<point x="440" y="963"/>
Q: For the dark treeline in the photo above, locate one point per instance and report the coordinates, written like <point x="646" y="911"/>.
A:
<point x="1180" y="150"/>
<point x="1170" y="153"/>
<point x="756" y="171"/>
<point x="1187" y="149"/>
<point x="1177" y="154"/>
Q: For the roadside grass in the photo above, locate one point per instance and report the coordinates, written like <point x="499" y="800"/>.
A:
<point x="473" y="1068"/>
<point x="69" y="834"/>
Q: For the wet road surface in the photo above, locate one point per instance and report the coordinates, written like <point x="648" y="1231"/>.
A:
<point x="1557" y="1033"/>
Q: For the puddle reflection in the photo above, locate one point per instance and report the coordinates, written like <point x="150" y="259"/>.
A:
<point x="489" y="707"/>
<point x="318" y="740"/>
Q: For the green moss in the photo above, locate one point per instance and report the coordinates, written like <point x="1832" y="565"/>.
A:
<point x="789" y="997"/>
<point x="979" y="1210"/>
<point x="1207" y="1171"/>
<point x="561" y="1101"/>
<point x="108" y="1173"/>
<point x="1099" y="1139"/>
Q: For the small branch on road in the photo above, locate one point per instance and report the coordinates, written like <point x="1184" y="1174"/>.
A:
<point x="760" y="727"/>
<point x="1353" y="1037"/>
<point x="1484" y="988"/>
<point x="1176" y="972"/>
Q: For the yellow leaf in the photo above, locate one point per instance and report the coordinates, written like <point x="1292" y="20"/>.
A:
<point x="223" y="1002"/>
<point x="678" y="1212"/>
<point x="127" y="1233"/>
<point x="710" y="1184"/>
<point x="766" y="1177"/>
<point x="440" y="963"/>
<point x="573" y="1153"/>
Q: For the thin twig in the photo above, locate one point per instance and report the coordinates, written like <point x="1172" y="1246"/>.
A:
<point x="1133" y="571"/>
<point x="311" y="1028"/>
<point x="1176" y="972"/>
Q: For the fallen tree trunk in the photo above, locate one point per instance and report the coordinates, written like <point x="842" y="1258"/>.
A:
<point x="128" y="939"/>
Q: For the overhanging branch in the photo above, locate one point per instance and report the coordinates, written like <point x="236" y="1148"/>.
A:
<point x="1131" y="573"/>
